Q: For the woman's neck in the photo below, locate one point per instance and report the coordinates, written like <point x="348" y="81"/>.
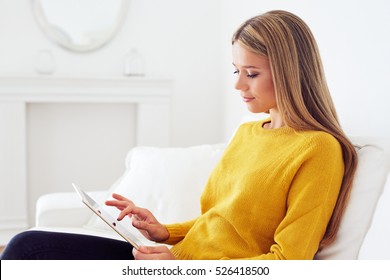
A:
<point x="276" y="120"/>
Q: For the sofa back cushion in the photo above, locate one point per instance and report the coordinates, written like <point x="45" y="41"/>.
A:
<point x="376" y="244"/>
<point x="167" y="181"/>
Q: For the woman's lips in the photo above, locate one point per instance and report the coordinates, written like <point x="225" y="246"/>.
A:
<point x="247" y="99"/>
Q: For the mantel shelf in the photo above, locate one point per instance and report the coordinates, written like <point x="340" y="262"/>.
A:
<point x="86" y="89"/>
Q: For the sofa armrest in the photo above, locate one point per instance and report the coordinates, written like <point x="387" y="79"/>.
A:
<point x="64" y="209"/>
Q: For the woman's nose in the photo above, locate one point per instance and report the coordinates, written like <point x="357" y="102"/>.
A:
<point x="240" y="84"/>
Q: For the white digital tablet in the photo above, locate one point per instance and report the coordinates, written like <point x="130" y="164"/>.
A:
<point x="107" y="218"/>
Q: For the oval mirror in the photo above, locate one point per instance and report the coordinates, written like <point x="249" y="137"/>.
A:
<point x="80" y="25"/>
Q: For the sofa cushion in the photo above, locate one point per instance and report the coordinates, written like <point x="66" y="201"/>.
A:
<point x="376" y="244"/>
<point x="167" y="181"/>
<point x="367" y="187"/>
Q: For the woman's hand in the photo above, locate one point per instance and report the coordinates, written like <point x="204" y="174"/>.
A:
<point x="142" y="219"/>
<point x="153" y="253"/>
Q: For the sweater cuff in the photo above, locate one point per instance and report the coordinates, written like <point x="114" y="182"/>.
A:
<point x="177" y="232"/>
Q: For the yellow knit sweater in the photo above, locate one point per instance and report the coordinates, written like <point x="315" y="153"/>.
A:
<point x="270" y="197"/>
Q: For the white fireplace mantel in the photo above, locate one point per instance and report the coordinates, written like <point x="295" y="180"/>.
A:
<point x="151" y="96"/>
<point x="67" y="89"/>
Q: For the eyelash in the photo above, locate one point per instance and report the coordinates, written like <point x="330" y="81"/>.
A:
<point x="248" y="75"/>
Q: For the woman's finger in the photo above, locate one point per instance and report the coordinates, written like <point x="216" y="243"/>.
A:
<point x="153" y="249"/>
<point x="152" y="253"/>
<point x="125" y="212"/>
<point x="117" y="203"/>
<point x="143" y="214"/>
<point x="120" y="197"/>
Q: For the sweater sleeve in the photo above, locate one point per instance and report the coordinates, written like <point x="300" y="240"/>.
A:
<point x="310" y="203"/>
<point x="178" y="231"/>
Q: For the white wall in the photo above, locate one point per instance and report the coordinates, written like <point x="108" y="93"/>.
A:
<point x="189" y="41"/>
<point x="178" y="39"/>
<point x="353" y="37"/>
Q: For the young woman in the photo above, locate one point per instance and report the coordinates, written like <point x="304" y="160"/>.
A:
<point x="283" y="183"/>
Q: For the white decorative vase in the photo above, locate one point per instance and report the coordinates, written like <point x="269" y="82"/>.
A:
<point x="134" y="64"/>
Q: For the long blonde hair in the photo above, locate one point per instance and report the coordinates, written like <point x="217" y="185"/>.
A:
<point x="301" y="91"/>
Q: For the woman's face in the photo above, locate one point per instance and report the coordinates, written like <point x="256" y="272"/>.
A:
<point x="254" y="80"/>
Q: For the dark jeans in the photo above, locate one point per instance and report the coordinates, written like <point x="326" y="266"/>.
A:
<point x="42" y="245"/>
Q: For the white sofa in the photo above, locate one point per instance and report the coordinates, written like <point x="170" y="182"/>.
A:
<point x="169" y="182"/>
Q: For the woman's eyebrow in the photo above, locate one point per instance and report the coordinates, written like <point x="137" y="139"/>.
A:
<point x="248" y="66"/>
